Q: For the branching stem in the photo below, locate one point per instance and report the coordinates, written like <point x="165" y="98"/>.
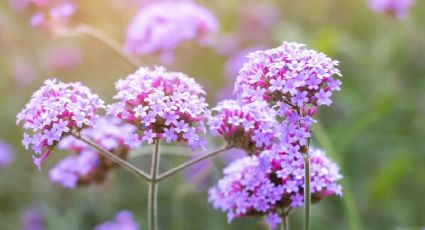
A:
<point x="191" y="162"/>
<point x="113" y="157"/>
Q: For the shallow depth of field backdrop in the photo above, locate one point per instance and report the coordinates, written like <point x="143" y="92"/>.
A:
<point x="375" y="129"/>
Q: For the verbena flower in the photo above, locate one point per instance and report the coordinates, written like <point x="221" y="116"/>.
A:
<point x="289" y="73"/>
<point x="236" y="60"/>
<point x="52" y="14"/>
<point x="53" y="111"/>
<point x="7" y="154"/>
<point x="33" y="219"/>
<point x="272" y="184"/>
<point x="398" y="8"/>
<point x="250" y="127"/>
<point x="124" y="220"/>
<point x="88" y="166"/>
<point x="163" y="105"/>
<point x="63" y="58"/>
<point x="161" y="26"/>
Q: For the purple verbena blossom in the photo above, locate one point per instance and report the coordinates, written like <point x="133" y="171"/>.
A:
<point x="52" y="14"/>
<point x="7" y="154"/>
<point x="252" y="186"/>
<point x="63" y="58"/>
<point x="33" y="219"/>
<point x="163" y="105"/>
<point x="249" y="127"/>
<point x="398" y="8"/>
<point x="124" y="220"/>
<point x="53" y="111"/>
<point x="288" y="74"/>
<point x="161" y="26"/>
<point x="86" y="165"/>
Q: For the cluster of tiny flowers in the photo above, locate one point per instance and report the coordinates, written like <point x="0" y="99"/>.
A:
<point x="163" y="105"/>
<point x="7" y="154"/>
<point x="291" y="74"/>
<point x="295" y="131"/>
<point x="124" y="220"/>
<point x="52" y="13"/>
<point x="250" y="127"/>
<point x="398" y="8"/>
<point x="161" y="26"/>
<point x="272" y="184"/>
<point x="88" y="166"/>
<point x="53" y="111"/>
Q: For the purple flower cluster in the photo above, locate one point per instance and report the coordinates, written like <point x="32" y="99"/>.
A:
<point x="7" y="154"/>
<point x="33" y="219"/>
<point x="161" y="26"/>
<point x="272" y="185"/>
<point x="290" y="74"/>
<point x="398" y="8"/>
<point x="124" y="220"/>
<point x="88" y="166"/>
<point x="249" y="127"/>
<point x="52" y="13"/>
<point x="163" y="105"/>
<point x="53" y="111"/>
<point x="293" y="81"/>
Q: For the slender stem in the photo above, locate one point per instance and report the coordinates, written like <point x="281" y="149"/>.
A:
<point x="284" y="225"/>
<point x="101" y="37"/>
<point x="153" y="189"/>
<point x="307" y="195"/>
<point x="113" y="157"/>
<point x="191" y="162"/>
<point x="348" y="201"/>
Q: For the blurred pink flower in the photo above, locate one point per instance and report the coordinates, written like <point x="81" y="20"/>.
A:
<point x="398" y="8"/>
<point x="124" y="220"/>
<point x="224" y="93"/>
<point x="160" y="27"/>
<point x="19" y="5"/>
<point x="235" y="62"/>
<point x="63" y="58"/>
<point x="23" y="73"/>
<point x="255" y="24"/>
<point x="7" y="154"/>
<point x="32" y="219"/>
<point x="52" y="14"/>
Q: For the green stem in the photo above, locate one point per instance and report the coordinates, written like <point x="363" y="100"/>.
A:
<point x="113" y="157"/>
<point x="153" y="189"/>
<point x="348" y="199"/>
<point x="307" y="195"/>
<point x="284" y="225"/>
<point x="191" y="162"/>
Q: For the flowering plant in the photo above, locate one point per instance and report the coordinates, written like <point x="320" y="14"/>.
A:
<point x="277" y="93"/>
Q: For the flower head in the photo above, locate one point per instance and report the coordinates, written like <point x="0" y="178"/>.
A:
<point x="249" y="127"/>
<point x="7" y="154"/>
<point x="53" y="111"/>
<point x="163" y="105"/>
<point x="398" y="8"/>
<point x="124" y="220"/>
<point x="271" y="184"/>
<point x="88" y="166"/>
<point x="289" y="73"/>
<point x="161" y="26"/>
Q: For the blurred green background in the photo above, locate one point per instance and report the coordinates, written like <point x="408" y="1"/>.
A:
<point x="375" y="129"/>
